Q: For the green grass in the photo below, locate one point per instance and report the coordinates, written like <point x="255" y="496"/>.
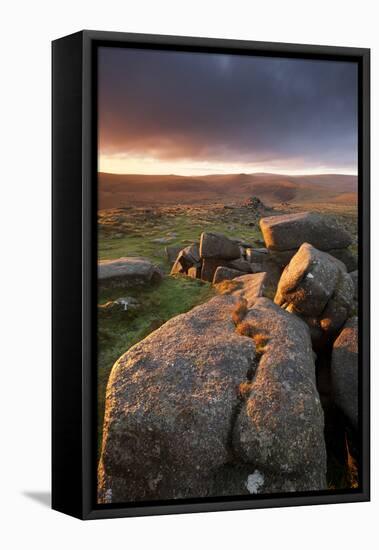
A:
<point x="182" y="230"/>
<point x="119" y="330"/>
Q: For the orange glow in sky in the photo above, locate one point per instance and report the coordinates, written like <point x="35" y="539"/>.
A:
<point x="124" y="164"/>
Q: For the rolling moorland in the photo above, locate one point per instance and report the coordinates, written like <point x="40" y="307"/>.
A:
<point x="117" y="191"/>
<point x="142" y="216"/>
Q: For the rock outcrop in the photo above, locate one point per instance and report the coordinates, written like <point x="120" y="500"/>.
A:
<point x="218" y="251"/>
<point x="188" y="257"/>
<point x="284" y="234"/>
<point x="316" y="286"/>
<point x="128" y="271"/>
<point x="344" y="370"/>
<point x="176" y="422"/>
<point x="216" y="245"/>
<point x="280" y="427"/>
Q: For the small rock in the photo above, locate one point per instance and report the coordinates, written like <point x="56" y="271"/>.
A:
<point x="209" y="266"/>
<point x="128" y="271"/>
<point x="225" y="273"/>
<point x="127" y="302"/>
<point x="216" y="245"/>
<point x="187" y="257"/>
<point x="162" y="240"/>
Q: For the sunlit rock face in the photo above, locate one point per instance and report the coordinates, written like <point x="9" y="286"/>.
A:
<point x="184" y="406"/>
<point x="284" y="234"/>
<point x="316" y="286"/>
<point x="280" y="427"/>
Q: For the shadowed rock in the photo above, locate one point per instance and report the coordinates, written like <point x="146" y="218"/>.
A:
<point x="280" y="426"/>
<point x="216" y="245"/>
<point x="225" y="274"/>
<point x="128" y="271"/>
<point x="346" y="256"/>
<point x="245" y="266"/>
<point x="354" y="278"/>
<point x="209" y="266"/>
<point x="344" y="370"/>
<point x="172" y="253"/>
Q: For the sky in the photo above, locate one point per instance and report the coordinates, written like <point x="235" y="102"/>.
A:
<point x="164" y="112"/>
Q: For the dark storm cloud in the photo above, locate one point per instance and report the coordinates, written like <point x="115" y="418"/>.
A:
<point x="173" y="105"/>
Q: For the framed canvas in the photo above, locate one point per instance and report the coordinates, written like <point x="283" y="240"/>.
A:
<point x="210" y="275"/>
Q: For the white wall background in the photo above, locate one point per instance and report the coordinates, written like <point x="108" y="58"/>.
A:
<point x="27" y="29"/>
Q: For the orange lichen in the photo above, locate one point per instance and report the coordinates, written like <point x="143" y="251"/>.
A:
<point x="244" y="390"/>
<point x="260" y="341"/>
<point x="244" y="329"/>
<point x="239" y="311"/>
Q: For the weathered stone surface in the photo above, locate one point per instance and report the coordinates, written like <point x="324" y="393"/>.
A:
<point x="289" y="231"/>
<point x="216" y="245"/>
<point x="188" y="257"/>
<point x="128" y="271"/>
<point x="316" y="286"/>
<point x="169" y="407"/>
<point x="346" y="256"/>
<point x="225" y="274"/>
<point x="339" y="306"/>
<point x="209" y="266"/>
<point x="256" y="254"/>
<point x="308" y="282"/>
<point x="245" y="266"/>
<point x="172" y="253"/>
<point x="283" y="257"/>
<point x="241" y="265"/>
<point x="354" y="278"/>
<point x="175" y="425"/>
<point x="280" y="427"/>
<point x="344" y="370"/>
<point x="250" y="287"/>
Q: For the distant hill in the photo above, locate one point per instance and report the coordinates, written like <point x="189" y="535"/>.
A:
<point x="116" y="191"/>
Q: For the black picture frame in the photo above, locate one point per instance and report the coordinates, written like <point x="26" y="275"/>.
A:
<point x="74" y="204"/>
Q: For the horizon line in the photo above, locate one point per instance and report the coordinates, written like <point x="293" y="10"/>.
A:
<point x="229" y="174"/>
